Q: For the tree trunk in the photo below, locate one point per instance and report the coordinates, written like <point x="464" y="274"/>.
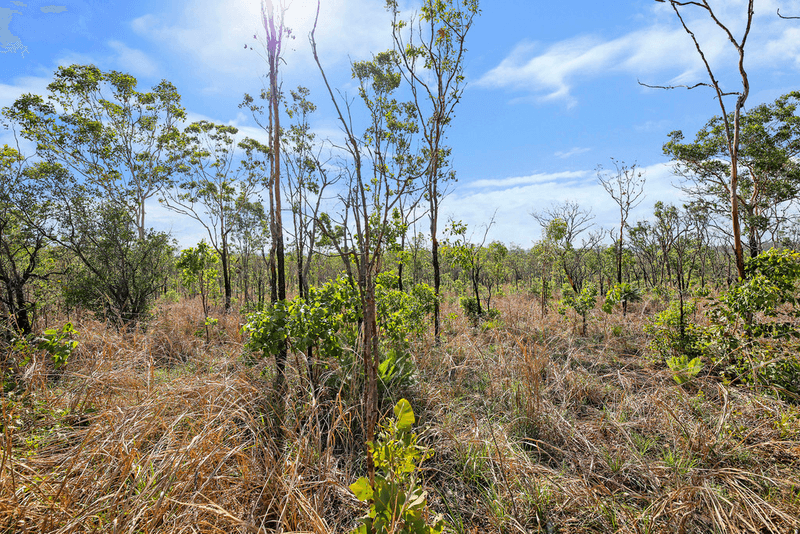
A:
<point x="437" y="280"/>
<point x="226" y="276"/>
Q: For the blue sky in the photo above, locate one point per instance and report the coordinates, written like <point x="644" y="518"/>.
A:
<point x="552" y="91"/>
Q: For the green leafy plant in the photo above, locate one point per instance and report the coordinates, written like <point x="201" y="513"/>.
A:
<point x="621" y="293"/>
<point x="59" y="344"/>
<point x="56" y="342"/>
<point x="199" y="272"/>
<point x="673" y="334"/>
<point x="327" y="322"/>
<point x="683" y="369"/>
<point x="582" y="302"/>
<point x="397" y="502"/>
<point x="753" y="333"/>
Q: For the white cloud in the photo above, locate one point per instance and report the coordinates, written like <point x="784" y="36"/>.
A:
<point x="133" y="61"/>
<point x="25" y="84"/>
<point x="659" y="52"/>
<point x="571" y="152"/>
<point x="53" y="9"/>
<point x="514" y="198"/>
<point x="539" y="178"/>
<point x="213" y="35"/>
<point x="552" y="72"/>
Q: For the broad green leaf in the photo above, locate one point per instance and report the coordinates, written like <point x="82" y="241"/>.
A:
<point x="361" y="489"/>
<point x="404" y="415"/>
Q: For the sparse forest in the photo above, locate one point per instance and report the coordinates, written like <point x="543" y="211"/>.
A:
<point x="336" y="356"/>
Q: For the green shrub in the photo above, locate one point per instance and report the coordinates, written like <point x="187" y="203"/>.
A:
<point x="582" y="302"/>
<point x="673" y="334"/>
<point x="621" y="293"/>
<point x="471" y="308"/>
<point x="753" y="333"/>
<point x="683" y="369"/>
<point x="397" y="502"/>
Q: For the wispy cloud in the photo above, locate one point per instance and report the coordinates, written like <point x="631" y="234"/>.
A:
<point x="212" y="35"/>
<point x="511" y="200"/>
<point x="24" y="84"/>
<point x="540" y="178"/>
<point x="551" y="72"/>
<point x="134" y="61"/>
<point x="659" y="51"/>
<point x="572" y="152"/>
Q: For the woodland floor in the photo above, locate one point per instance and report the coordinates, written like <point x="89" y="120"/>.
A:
<point x="534" y="427"/>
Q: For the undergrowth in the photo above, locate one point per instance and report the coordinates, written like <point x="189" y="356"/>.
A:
<point x="535" y="428"/>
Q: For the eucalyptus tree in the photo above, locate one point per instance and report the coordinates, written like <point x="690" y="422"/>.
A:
<point x="307" y="178"/>
<point x="212" y="189"/>
<point x="117" y="140"/>
<point x="274" y="25"/>
<point x="768" y="171"/>
<point x="249" y="235"/>
<point x="546" y="252"/>
<point x="431" y="48"/>
<point x="380" y="168"/>
<point x="463" y="251"/>
<point x="118" y="274"/>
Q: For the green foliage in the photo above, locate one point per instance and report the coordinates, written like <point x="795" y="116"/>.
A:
<point x="199" y="272"/>
<point x="683" y="369"/>
<point x="754" y="331"/>
<point x="402" y="314"/>
<point x="56" y="342"/>
<point x="396" y="371"/>
<point x="474" y="312"/>
<point x="327" y="322"/>
<point x="397" y="502"/>
<point x="673" y="334"/>
<point x="119" y="273"/>
<point x="24" y="250"/>
<point x="120" y="141"/>
<point x="623" y="293"/>
<point x="769" y="174"/>
<point x="582" y="302"/>
<point x="471" y="308"/>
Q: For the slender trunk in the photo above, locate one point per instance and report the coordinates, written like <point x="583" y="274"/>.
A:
<point x="619" y="253"/>
<point x="544" y="296"/>
<point x="226" y="275"/>
<point x="371" y="362"/>
<point x="277" y="236"/>
<point x="436" y="285"/>
<point x="753" y="242"/>
<point x="477" y="294"/>
<point x="737" y="235"/>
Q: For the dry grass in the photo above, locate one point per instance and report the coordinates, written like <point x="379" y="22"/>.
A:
<point x="535" y="429"/>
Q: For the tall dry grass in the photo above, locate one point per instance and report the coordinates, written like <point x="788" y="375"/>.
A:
<point x="535" y="429"/>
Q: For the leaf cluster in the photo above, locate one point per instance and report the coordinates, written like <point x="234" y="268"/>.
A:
<point x="397" y="502"/>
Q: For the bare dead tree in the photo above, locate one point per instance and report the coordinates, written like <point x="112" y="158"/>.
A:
<point x="626" y="187"/>
<point x="732" y="128"/>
